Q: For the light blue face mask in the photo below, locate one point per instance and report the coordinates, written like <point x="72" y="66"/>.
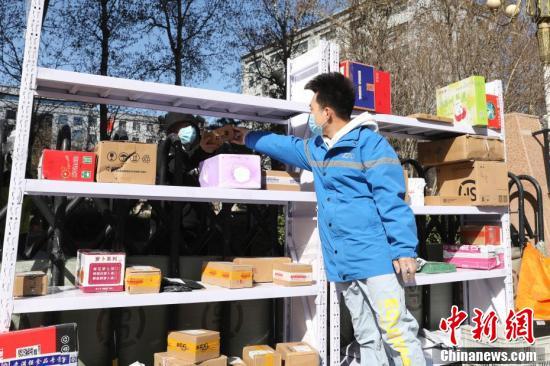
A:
<point x="187" y="135"/>
<point x="314" y="127"/>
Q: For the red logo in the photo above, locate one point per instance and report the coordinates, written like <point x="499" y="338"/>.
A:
<point x="453" y="322"/>
<point x="485" y="325"/>
<point x="520" y="325"/>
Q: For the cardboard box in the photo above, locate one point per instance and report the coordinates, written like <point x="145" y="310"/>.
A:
<point x="480" y="234"/>
<point x="485" y="182"/>
<point x="220" y="135"/>
<point x="236" y="361"/>
<point x="382" y="92"/>
<point x="173" y="359"/>
<point x="362" y="77"/>
<point x="142" y="280"/>
<point x="54" y="345"/>
<point x="262" y="267"/>
<point x="261" y="356"/>
<point x="298" y="354"/>
<point x="464" y="101"/>
<point x="34" y="283"/>
<point x="67" y="165"/>
<point x="495" y="96"/>
<point x="460" y="149"/>
<point x="447" y="201"/>
<point x="231" y="171"/>
<point x="276" y="180"/>
<point x="493" y="112"/>
<point x="227" y="274"/>
<point x="126" y="162"/>
<point x="474" y="256"/>
<point x="100" y="271"/>
<point x="196" y="345"/>
<point x="292" y="274"/>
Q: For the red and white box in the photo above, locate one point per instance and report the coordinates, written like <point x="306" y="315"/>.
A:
<point x="67" y="165"/>
<point x="99" y="271"/>
<point x="52" y="346"/>
<point x="474" y="256"/>
<point x="480" y="234"/>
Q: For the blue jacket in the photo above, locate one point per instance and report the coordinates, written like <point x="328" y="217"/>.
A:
<point x="364" y="223"/>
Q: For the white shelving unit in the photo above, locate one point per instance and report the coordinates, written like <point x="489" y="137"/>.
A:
<point x="302" y="240"/>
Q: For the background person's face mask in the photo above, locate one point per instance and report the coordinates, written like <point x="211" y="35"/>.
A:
<point x="187" y="135"/>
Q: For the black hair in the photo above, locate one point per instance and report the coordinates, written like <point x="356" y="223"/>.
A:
<point x="334" y="90"/>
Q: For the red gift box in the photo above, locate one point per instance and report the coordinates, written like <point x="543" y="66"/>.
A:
<point x="68" y="165"/>
<point x="54" y="345"/>
<point x="493" y="112"/>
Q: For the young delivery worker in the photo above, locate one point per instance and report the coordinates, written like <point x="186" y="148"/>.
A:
<point x="368" y="232"/>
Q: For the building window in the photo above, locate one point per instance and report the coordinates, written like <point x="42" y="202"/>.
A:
<point x="122" y="125"/>
<point x="62" y="119"/>
<point x="135" y="139"/>
<point x="135" y="127"/>
<point x="149" y="127"/>
<point x="78" y="121"/>
<point x="11" y="114"/>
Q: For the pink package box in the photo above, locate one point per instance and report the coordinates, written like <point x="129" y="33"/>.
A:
<point x="100" y="271"/>
<point x="474" y="256"/>
<point x="231" y="171"/>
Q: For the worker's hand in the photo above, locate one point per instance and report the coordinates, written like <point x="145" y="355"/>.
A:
<point x="407" y="268"/>
<point x="239" y="134"/>
<point x="209" y="143"/>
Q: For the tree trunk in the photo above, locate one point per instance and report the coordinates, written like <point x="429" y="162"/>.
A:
<point x="104" y="66"/>
<point x="179" y="45"/>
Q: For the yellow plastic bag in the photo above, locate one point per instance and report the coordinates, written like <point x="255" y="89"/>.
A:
<point x="534" y="283"/>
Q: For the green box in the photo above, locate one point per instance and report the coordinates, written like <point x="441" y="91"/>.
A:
<point x="464" y="101"/>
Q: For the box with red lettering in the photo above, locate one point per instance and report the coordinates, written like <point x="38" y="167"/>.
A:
<point x="67" y="165"/>
<point x="54" y="345"/>
<point x="99" y="271"/>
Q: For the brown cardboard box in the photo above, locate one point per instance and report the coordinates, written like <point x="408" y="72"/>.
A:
<point x="276" y="180"/>
<point x="292" y="274"/>
<point x="142" y="280"/>
<point x="227" y="274"/>
<point x="298" y="354"/>
<point x="236" y="361"/>
<point x="33" y="283"/>
<point x="485" y="182"/>
<point x="446" y="201"/>
<point x="126" y="162"/>
<point x="262" y="267"/>
<point x="261" y="356"/>
<point x="173" y="359"/>
<point x="461" y="148"/>
<point x="194" y="345"/>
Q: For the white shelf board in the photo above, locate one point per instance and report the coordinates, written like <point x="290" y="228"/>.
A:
<point x="88" y="88"/>
<point x="168" y="193"/>
<point x="460" y="275"/>
<point x="398" y="126"/>
<point x="39" y="187"/>
<point x="71" y="298"/>
<point x="459" y="210"/>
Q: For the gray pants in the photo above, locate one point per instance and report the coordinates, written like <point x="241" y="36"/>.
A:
<point x="385" y="330"/>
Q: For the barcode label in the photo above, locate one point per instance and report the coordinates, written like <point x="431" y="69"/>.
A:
<point x="28" y="351"/>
